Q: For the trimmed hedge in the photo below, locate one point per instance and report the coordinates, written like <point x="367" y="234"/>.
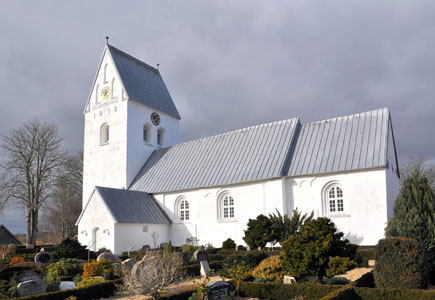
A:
<point x="96" y="291"/>
<point x="363" y="255"/>
<point x="345" y="293"/>
<point x="180" y="295"/>
<point x="195" y="270"/>
<point x="400" y="263"/>
<point x="393" y="294"/>
<point x="281" y="291"/>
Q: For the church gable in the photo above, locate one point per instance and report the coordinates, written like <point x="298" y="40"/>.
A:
<point x="108" y="86"/>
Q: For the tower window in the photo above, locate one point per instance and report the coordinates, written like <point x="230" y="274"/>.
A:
<point x="105" y="73"/>
<point x="147" y="133"/>
<point x="104" y="134"/>
<point x="160" y="136"/>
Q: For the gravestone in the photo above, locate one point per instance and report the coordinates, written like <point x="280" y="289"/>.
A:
<point x="109" y="256"/>
<point x="43" y="258"/>
<point x="163" y="245"/>
<point x="240" y="248"/>
<point x="67" y="285"/>
<point x="201" y="256"/>
<point x="219" y="290"/>
<point x="128" y="264"/>
<point x="31" y="287"/>
<point x="146" y="248"/>
<point x="288" y="280"/>
<point x="27" y="275"/>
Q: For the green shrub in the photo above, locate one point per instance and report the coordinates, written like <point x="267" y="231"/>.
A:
<point x="400" y="263"/>
<point x="393" y="294"/>
<point x="339" y="265"/>
<point x="216" y="265"/>
<point x="64" y="267"/>
<point x="308" y="252"/>
<point x="71" y="249"/>
<point x="88" y="281"/>
<point x="279" y="291"/>
<point x="345" y="293"/>
<point x="214" y="257"/>
<point x="229" y="244"/>
<point x="259" y="232"/>
<point x="269" y="269"/>
<point x="367" y="280"/>
<point x="251" y="259"/>
<point x="363" y="255"/>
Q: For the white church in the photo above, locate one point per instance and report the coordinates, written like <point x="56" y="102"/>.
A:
<point x="142" y="187"/>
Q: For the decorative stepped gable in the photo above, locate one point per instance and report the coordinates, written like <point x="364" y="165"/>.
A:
<point x="273" y="150"/>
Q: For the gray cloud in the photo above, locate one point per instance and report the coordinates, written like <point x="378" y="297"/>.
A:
<point x="228" y="64"/>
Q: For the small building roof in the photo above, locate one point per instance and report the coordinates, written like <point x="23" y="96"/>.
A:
<point x="130" y="206"/>
<point x="143" y="83"/>
<point x="6" y="237"/>
<point x="284" y="148"/>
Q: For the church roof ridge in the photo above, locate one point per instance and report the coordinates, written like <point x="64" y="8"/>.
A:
<point x="138" y="61"/>
<point x="288" y="121"/>
<point x="382" y="110"/>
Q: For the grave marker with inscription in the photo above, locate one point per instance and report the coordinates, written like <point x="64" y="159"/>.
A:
<point x="31" y="287"/>
<point x="219" y="290"/>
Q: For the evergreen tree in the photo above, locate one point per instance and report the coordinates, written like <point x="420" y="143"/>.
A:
<point x="414" y="214"/>
<point x="283" y="226"/>
<point x="259" y="232"/>
<point x="309" y="251"/>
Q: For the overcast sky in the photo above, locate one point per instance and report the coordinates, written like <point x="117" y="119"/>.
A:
<point x="227" y="64"/>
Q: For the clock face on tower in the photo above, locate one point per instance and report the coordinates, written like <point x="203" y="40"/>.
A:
<point x="105" y="93"/>
<point x="155" y="119"/>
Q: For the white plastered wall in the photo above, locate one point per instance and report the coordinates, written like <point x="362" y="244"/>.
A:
<point x="133" y="235"/>
<point x="97" y="215"/>
<point x="251" y="199"/>
<point x="138" y="151"/>
<point x="105" y="165"/>
<point x="365" y="202"/>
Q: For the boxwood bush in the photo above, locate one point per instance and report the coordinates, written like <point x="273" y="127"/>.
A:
<point x="400" y="263"/>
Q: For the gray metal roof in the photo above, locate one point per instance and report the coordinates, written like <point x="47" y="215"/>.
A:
<point x="143" y="83"/>
<point x="133" y="206"/>
<point x="284" y="148"/>
<point x="341" y="144"/>
<point x="249" y="154"/>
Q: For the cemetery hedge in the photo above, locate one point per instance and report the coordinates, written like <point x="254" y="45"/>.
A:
<point x="96" y="291"/>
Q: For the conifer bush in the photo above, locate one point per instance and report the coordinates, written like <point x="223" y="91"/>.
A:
<point x="400" y="263"/>
<point x="269" y="269"/>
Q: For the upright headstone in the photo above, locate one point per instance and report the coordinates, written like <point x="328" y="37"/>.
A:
<point x="201" y="256"/>
<point x="185" y="258"/>
<point x="31" y="287"/>
<point x="288" y="280"/>
<point x="43" y="258"/>
<point x="128" y="264"/>
<point x="67" y="285"/>
<point x="219" y="290"/>
<point x="109" y="256"/>
<point x="27" y="275"/>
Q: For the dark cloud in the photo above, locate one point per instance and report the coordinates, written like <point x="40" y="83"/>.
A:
<point x="228" y="64"/>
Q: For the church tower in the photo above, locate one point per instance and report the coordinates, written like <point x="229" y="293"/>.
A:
<point x="129" y="114"/>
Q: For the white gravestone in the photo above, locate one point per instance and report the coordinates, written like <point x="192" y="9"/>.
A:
<point x="67" y="285"/>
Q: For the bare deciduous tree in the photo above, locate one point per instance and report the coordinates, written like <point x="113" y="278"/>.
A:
<point x="63" y="208"/>
<point x="32" y="152"/>
<point x="157" y="272"/>
<point x="418" y="163"/>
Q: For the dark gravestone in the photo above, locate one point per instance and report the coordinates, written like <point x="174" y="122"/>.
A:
<point x="31" y="287"/>
<point x="146" y="248"/>
<point x="43" y="258"/>
<point x="27" y="275"/>
<point x="219" y="290"/>
<point x="163" y="245"/>
<point x="200" y="255"/>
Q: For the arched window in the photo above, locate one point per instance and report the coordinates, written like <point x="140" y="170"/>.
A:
<point x="104" y="134"/>
<point x="182" y="209"/>
<point x="147" y="133"/>
<point x="226" y="208"/>
<point x="334" y="199"/>
<point x="160" y="137"/>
